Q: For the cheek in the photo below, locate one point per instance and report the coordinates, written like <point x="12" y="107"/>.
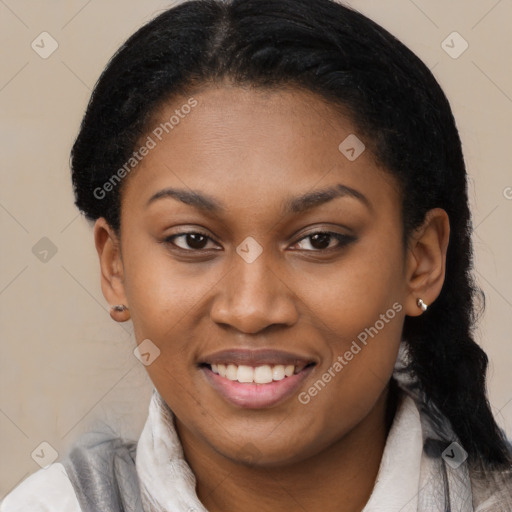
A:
<point x="352" y="294"/>
<point x="169" y="304"/>
<point x="359" y="309"/>
<point x="162" y="290"/>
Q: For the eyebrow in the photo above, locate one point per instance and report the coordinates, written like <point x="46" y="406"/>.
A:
<point x="297" y="204"/>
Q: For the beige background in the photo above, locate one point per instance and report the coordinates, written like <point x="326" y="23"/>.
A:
<point x="65" y="364"/>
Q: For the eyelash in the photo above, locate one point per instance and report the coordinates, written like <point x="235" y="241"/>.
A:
<point x="343" y="240"/>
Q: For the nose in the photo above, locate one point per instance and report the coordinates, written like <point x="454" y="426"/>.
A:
<point x="254" y="296"/>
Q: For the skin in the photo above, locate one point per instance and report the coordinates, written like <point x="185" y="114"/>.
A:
<point x="251" y="150"/>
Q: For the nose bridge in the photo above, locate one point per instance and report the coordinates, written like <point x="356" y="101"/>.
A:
<point x="253" y="294"/>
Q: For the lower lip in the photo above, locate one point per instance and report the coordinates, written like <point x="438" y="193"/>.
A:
<point x="256" y="396"/>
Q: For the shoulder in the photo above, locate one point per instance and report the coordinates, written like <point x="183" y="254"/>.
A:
<point x="492" y="489"/>
<point x="46" y="490"/>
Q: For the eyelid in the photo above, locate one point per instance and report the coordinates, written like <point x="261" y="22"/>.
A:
<point x="167" y="240"/>
<point x="342" y="238"/>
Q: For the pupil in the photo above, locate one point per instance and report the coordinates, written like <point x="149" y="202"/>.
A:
<point x="322" y="237"/>
<point x="193" y="240"/>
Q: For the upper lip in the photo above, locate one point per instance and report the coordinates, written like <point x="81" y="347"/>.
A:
<point x="257" y="357"/>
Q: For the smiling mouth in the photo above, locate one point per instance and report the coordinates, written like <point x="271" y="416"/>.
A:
<point x="261" y="374"/>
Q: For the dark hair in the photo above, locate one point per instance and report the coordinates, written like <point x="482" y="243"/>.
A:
<point x="394" y="101"/>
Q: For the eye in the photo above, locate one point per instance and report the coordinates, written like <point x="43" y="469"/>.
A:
<point x="190" y="241"/>
<point x="195" y="241"/>
<point x="321" y="240"/>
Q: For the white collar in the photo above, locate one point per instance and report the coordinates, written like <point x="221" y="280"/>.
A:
<point x="397" y="483"/>
<point x="168" y="483"/>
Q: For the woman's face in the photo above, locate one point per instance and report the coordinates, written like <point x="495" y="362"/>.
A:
<point x="259" y="181"/>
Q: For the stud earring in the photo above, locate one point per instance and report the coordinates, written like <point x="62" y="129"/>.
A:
<point x="421" y="305"/>
<point x="119" y="313"/>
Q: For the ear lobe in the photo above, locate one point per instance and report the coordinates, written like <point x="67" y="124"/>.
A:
<point x="111" y="265"/>
<point x="426" y="260"/>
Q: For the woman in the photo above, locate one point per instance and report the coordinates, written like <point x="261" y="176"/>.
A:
<point x="279" y="203"/>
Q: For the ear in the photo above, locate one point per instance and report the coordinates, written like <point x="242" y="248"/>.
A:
<point x="426" y="260"/>
<point x="111" y="264"/>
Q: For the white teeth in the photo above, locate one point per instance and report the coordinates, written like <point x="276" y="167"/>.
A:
<point x="222" y="369"/>
<point x="231" y="372"/>
<point x="245" y="374"/>
<point x="288" y="370"/>
<point x="278" y="372"/>
<point x="263" y="374"/>
<point x="259" y="375"/>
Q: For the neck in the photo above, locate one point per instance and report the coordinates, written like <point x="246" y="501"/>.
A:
<point x="343" y="475"/>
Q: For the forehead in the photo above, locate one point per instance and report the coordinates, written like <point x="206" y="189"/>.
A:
<point x="246" y="144"/>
